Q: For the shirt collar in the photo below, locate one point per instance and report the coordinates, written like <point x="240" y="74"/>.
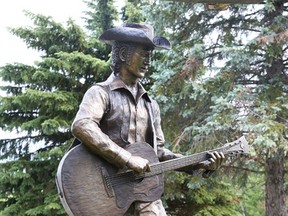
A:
<point x="117" y="83"/>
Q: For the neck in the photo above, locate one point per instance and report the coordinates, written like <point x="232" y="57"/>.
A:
<point x="129" y="80"/>
<point x="132" y="84"/>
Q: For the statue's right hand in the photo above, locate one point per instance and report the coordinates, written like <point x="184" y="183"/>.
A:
<point x="138" y="164"/>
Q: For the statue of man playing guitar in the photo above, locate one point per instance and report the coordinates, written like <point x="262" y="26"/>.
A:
<point x="118" y="111"/>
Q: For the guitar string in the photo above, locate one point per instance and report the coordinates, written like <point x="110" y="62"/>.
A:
<point x="121" y="178"/>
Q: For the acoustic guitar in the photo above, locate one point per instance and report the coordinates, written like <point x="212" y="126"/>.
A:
<point x="89" y="186"/>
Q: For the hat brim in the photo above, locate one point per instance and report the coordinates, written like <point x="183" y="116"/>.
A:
<point x="127" y="34"/>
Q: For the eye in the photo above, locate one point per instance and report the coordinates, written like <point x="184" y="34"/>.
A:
<point x="148" y="54"/>
<point x="145" y="53"/>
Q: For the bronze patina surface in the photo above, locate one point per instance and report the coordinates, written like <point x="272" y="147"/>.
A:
<point x="118" y="111"/>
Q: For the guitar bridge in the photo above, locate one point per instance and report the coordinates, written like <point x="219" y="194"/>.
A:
<point x="107" y="183"/>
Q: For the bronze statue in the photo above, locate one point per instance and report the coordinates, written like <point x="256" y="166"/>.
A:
<point x="118" y="112"/>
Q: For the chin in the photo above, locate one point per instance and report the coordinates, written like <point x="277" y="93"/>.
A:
<point x="141" y="74"/>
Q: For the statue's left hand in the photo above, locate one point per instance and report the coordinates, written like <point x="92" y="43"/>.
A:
<point x="213" y="163"/>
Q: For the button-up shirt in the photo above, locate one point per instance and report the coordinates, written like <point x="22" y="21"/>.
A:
<point x="119" y="119"/>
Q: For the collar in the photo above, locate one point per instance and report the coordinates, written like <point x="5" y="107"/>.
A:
<point x="117" y="83"/>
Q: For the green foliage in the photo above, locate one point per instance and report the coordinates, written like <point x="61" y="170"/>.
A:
<point x="99" y="18"/>
<point x="29" y="185"/>
<point x="253" y="202"/>
<point x="203" y="104"/>
<point x="131" y="12"/>
<point x="54" y="37"/>
<point x="38" y="109"/>
<point x="196" y="196"/>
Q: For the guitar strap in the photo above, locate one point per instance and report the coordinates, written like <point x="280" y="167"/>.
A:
<point x="74" y="143"/>
<point x="151" y="119"/>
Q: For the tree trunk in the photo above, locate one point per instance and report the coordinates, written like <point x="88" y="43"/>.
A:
<point x="275" y="189"/>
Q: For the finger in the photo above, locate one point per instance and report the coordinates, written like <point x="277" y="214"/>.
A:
<point x="138" y="170"/>
<point x="222" y="158"/>
<point x="217" y="154"/>
<point x="211" y="165"/>
<point x="212" y="160"/>
<point x="212" y="155"/>
<point x="220" y="162"/>
<point x="222" y="155"/>
<point x="148" y="168"/>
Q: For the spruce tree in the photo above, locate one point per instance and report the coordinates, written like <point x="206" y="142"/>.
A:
<point x="40" y="104"/>
<point x="247" y="94"/>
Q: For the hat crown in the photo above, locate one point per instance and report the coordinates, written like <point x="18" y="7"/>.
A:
<point x="135" y="33"/>
<point x="146" y="28"/>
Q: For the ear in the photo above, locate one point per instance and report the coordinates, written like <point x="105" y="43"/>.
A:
<point x="123" y="54"/>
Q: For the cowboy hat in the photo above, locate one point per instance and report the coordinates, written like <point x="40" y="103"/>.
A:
<point x="135" y="33"/>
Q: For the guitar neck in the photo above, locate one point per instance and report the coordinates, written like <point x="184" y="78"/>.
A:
<point x="236" y="147"/>
<point x="184" y="161"/>
<point x="177" y="163"/>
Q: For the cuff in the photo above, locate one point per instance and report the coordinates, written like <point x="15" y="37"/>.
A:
<point x="123" y="157"/>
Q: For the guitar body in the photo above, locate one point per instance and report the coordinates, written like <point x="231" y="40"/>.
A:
<point x="88" y="185"/>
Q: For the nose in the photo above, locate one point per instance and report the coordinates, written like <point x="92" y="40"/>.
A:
<point x="147" y="60"/>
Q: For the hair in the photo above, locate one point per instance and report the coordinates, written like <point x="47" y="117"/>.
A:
<point x="116" y="61"/>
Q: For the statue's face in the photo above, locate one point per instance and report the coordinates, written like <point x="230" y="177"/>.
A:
<point x="139" y="61"/>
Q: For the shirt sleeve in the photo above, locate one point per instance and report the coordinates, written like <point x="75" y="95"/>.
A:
<point x="86" y="128"/>
<point x="94" y="104"/>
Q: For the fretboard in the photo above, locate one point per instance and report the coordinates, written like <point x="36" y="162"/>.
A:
<point x="184" y="161"/>
<point x="177" y="163"/>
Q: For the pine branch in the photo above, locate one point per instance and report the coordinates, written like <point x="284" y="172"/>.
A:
<point x="243" y="169"/>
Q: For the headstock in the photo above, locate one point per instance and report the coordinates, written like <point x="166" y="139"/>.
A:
<point x="239" y="146"/>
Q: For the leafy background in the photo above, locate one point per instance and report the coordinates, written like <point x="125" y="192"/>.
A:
<point x="225" y="76"/>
